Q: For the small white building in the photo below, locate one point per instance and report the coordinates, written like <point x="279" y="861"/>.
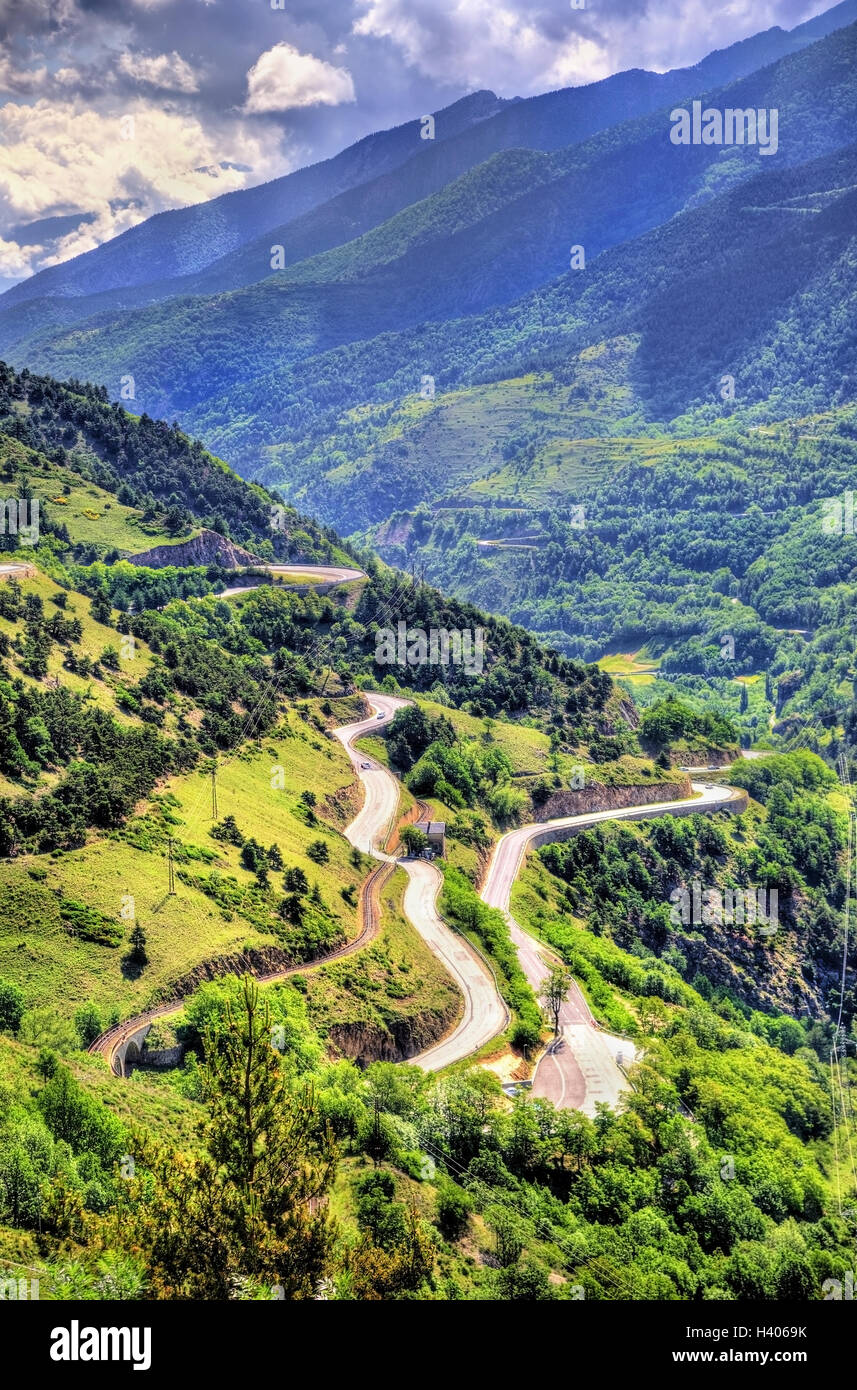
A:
<point x="435" y="833"/>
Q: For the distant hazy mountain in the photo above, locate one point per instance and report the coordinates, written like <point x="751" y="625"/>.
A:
<point x="500" y="231"/>
<point x="229" y="237"/>
<point x="182" y="241"/>
<point x="759" y="284"/>
<point x="427" y="333"/>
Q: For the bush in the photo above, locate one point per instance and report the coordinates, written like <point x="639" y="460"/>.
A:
<point x="296" y="881"/>
<point x="84" y="1123"/>
<point x="452" y="1209"/>
<point x="461" y="903"/>
<point x="11" y="1006"/>
<point x="88" y="1024"/>
<point x="525" y="1037"/>
<point x="413" y="840"/>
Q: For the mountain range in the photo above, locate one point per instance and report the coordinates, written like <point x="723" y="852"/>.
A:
<point x="550" y="382"/>
<point x="506" y="316"/>
<point x="178" y="245"/>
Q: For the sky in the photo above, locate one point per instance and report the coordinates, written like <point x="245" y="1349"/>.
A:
<point x="112" y="110"/>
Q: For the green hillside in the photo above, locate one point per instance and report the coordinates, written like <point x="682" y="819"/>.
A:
<point x="684" y="542"/>
<point x="131" y="699"/>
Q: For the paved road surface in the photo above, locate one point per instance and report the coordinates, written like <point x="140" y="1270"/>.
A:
<point x="485" y="1014"/>
<point x="581" y="1067"/>
<point x="374" y="821"/>
<point x="323" y="574"/>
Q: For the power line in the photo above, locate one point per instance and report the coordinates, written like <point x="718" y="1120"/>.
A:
<point x="172" y="873"/>
<point x="835" y="1139"/>
<point x="252" y="718"/>
<point x="312" y="656"/>
<point x="846" y="781"/>
<point x="845" y="1115"/>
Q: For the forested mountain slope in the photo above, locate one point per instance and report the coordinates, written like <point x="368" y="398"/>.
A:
<point x="268" y="880"/>
<point x="372" y="179"/>
<point x="628" y="483"/>
<point x="506" y="227"/>
<point x="756" y="284"/>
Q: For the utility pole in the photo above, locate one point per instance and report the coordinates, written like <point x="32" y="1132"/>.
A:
<point x="376" y="1131"/>
<point x="214" y="789"/>
<point x="172" y="872"/>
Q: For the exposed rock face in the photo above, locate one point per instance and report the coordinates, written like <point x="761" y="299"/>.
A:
<point x="630" y="714"/>
<point x="596" y="797"/>
<point x="208" y="548"/>
<point x="704" y="757"/>
<point x="364" y="1042"/>
<point x="361" y="1040"/>
<point x="258" y="961"/>
<point x="773" y="974"/>
<point x="343" y="805"/>
<point x="759" y="974"/>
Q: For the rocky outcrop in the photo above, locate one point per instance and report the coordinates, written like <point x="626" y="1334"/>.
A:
<point x="342" y="805"/>
<point x="720" y="757"/>
<point x="763" y="973"/>
<point x="258" y="961"/>
<point x="755" y="973"/>
<point x="364" y="1042"/>
<point x="630" y="714"/>
<point x="597" y="797"/>
<point x="208" y="548"/>
<point x="161" y="1056"/>
<point x="702" y="757"/>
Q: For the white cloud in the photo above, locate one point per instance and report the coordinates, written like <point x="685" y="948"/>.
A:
<point x="169" y="71"/>
<point x="16" y="261"/>
<point x="21" y="81"/>
<point x="489" y="43"/>
<point x="283" y="79"/>
<point x="61" y="158"/>
<point x="67" y="77"/>
<point x="520" y="47"/>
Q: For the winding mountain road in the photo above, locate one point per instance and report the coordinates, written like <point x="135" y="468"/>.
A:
<point x="485" y="1014"/>
<point x="583" y="1065"/>
<point x="312" y="574"/>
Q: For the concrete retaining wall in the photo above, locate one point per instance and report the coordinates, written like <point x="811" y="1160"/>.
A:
<point x="736" y="805"/>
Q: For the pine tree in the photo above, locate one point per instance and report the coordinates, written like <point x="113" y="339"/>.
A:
<point x="100" y="608"/>
<point x="139" y="955"/>
<point x="248" y="1210"/>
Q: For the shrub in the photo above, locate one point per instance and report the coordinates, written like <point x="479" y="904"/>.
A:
<point x="11" y="1006"/>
